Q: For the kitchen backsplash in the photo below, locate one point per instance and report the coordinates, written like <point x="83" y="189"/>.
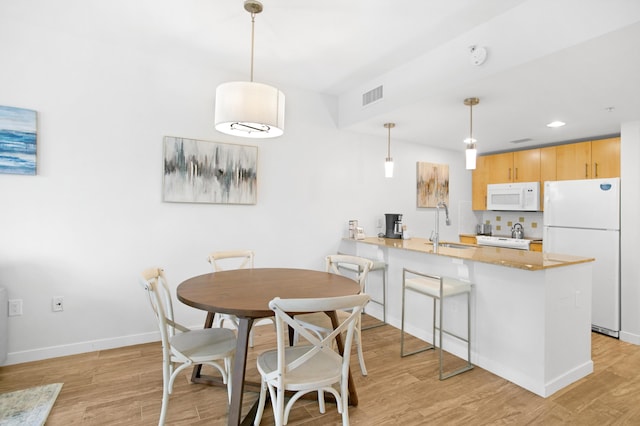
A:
<point x="502" y="222"/>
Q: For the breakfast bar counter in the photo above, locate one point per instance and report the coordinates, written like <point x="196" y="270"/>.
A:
<point x="521" y="259"/>
<point x="530" y="314"/>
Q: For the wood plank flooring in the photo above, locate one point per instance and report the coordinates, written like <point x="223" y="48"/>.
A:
<point x="124" y="386"/>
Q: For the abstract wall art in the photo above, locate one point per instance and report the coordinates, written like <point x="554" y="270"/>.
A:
<point x="17" y="141"/>
<point x="432" y="184"/>
<point x="198" y="171"/>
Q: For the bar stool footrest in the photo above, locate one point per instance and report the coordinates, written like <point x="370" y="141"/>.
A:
<point x="417" y="351"/>
<point x="376" y="325"/>
<point x="456" y="372"/>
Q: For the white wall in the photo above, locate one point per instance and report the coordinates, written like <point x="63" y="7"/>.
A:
<point x="92" y="218"/>
<point x="630" y="232"/>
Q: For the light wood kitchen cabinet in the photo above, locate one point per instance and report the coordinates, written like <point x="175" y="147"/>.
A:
<point x="479" y="185"/>
<point x="526" y="165"/>
<point x="499" y="167"/>
<point x="573" y="161"/>
<point x="605" y="158"/>
<point x="588" y="160"/>
<point x="535" y="246"/>
<point x="547" y="169"/>
<point x="517" y="166"/>
<point x="467" y="239"/>
<point x="581" y="160"/>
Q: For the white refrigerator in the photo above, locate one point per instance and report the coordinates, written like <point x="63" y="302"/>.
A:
<point x="582" y="217"/>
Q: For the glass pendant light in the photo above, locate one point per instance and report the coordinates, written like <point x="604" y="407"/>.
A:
<point x="471" y="152"/>
<point x="248" y="109"/>
<point x="388" y="162"/>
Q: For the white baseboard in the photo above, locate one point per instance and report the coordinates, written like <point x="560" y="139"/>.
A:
<point x="80" y="347"/>
<point x="84" y="347"/>
<point x="629" y="337"/>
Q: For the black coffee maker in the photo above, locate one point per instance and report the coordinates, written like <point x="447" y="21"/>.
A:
<point x="394" y="225"/>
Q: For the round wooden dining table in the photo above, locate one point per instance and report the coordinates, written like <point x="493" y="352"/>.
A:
<point x="246" y="293"/>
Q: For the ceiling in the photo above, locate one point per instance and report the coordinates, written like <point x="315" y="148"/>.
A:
<point x="572" y="60"/>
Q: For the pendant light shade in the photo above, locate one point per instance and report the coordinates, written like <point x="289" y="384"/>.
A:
<point x="388" y="168"/>
<point x="248" y="109"/>
<point x="388" y="163"/>
<point x="471" y="152"/>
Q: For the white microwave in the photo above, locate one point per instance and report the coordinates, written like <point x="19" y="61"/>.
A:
<point x="520" y="196"/>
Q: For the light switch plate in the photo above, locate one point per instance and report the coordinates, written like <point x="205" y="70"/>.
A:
<point x="15" y="307"/>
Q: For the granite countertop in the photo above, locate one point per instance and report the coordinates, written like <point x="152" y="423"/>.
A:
<point x="521" y="259"/>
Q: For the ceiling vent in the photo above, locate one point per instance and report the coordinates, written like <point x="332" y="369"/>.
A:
<point x="522" y="140"/>
<point x="372" y="96"/>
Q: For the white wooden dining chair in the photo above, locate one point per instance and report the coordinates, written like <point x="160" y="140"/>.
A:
<point x="210" y="346"/>
<point x="315" y="367"/>
<point x="319" y="322"/>
<point x="233" y="259"/>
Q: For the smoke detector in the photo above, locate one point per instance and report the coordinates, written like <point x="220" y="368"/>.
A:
<point x="478" y="55"/>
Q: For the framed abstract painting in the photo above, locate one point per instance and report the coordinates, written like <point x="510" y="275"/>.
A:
<point x="198" y="171"/>
<point x="432" y="184"/>
<point x="17" y="140"/>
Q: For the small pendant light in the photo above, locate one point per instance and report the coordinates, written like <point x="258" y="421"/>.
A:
<point x="388" y="163"/>
<point x="471" y="152"/>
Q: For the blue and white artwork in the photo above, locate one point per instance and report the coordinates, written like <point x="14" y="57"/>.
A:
<point x="198" y="171"/>
<point x="17" y="141"/>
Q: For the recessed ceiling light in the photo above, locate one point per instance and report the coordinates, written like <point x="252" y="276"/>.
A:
<point x="556" y="124"/>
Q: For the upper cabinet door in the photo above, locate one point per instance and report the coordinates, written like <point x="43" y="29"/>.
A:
<point x="526" y="165"/>
<point x="479" y="184"/>
<point x="573" y="161"/>
<point x="499" y="167"/>
<point x="605" y="158"/>
<point x="547" y="169"/>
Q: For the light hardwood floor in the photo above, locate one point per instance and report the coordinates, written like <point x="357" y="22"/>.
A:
<point x="123" y="386"/>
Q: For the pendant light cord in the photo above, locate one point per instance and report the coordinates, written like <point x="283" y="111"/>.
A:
<point x="471" y="124"/>
<point x="253" y="23"/>
<point x="389" y="126"/>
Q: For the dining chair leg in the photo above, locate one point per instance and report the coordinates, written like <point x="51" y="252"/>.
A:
<point x="261" y="402"/>
<point x="353" y="394"/>
<point x="363" y="368"/>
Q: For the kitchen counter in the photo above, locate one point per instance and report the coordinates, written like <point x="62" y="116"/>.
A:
<point x="533" y="240"/>
<point x="530" y="311"/>
<point x="521" y="259"/>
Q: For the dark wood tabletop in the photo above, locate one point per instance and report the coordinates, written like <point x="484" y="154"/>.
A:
<point x="246" y="293"/>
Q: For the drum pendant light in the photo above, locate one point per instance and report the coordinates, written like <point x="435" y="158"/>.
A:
<point x="248" y="109"/>
<point x="471" y="152"/>
<point x="388" y="163"/>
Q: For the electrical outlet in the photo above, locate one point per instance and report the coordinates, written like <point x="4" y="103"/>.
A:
<point x="15" y="307"/>
<point x="57" y="304"/>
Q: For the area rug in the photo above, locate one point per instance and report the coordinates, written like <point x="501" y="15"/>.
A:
<point x="28" y="406"/>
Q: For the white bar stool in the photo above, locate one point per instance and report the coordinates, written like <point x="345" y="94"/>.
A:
<point x="377" y="266"/>
<point x="438" y="288"/>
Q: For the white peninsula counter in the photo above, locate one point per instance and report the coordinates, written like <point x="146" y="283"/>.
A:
<point x="530" y="311"/>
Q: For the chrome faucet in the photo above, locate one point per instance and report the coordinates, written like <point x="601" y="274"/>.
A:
<point x="435" y="234"/>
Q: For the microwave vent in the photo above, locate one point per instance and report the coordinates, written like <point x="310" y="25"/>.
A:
<point x="372" y="96"/>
